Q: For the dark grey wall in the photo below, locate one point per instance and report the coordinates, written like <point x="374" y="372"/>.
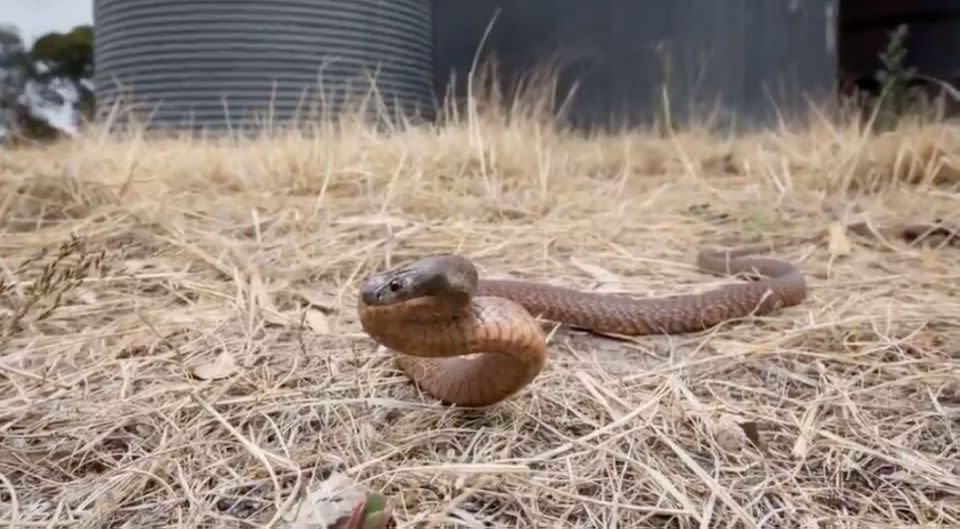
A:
<point x="743" y="54"/>
<point x="932" y="44"/>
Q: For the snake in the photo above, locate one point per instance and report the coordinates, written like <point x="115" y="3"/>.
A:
<point x="474" y="342"/>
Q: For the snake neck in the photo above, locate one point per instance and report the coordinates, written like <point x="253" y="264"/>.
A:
<point x="506" y="344"/>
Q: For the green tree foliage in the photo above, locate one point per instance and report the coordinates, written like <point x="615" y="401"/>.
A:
<point x="67" y="54"/>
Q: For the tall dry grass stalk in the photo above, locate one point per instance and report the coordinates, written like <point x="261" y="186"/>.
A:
<point x="193" y="357"/>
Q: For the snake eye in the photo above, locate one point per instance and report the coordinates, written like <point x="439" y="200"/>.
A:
<point x="395" y="285"/>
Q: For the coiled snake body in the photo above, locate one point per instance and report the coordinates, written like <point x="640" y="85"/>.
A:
<point x="436" y="310"/>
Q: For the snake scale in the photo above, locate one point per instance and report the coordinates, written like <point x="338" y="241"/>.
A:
<point x="474" y="342"/>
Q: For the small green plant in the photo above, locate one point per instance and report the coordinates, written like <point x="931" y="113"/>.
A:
<point x="896" y="95"/>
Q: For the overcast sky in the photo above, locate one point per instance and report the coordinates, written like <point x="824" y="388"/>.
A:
<point x="36" y="17"/>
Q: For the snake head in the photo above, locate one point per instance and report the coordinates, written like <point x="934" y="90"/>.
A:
<point x="445" y="277"/>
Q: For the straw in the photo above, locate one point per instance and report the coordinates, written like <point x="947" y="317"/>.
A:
<point x="193" y="358"/>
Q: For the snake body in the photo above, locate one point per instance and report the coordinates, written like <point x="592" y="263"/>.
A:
<point x="436" y="310"/>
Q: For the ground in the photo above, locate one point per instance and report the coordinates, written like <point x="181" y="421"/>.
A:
<point x="186" y="351"/>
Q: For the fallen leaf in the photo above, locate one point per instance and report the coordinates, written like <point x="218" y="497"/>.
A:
<point x="136" y="343"/>
<point x="371" y="513"/>
<point x="277" y="318"/>
<point x="87" y="296"/>
<point x="838" y="244"/>
<point x="332" y="499"/>
<point x="264" y="300"/>
<point x="221" y="367"/>
<point x="318" y="321"/>
<point x="318" y="299"/>
<point x="271" y="314"/>
<point x="728" y="433"/>
<point x="339" y="503"/>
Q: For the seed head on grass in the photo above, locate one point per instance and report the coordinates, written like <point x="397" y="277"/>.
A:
<point x="43" y="282"/>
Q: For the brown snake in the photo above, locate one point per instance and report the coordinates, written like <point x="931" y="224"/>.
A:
<point x="436" y="310"/>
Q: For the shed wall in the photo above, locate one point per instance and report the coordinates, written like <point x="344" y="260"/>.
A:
<point x="748" y="58"/>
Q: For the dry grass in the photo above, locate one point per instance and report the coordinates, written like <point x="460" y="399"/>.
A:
<point x="114" y="410"/>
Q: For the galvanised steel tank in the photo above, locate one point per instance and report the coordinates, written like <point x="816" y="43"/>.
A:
<point x="218" y="64"/>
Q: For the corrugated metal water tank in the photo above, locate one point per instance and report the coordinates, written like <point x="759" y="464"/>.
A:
<point x="209" y="63"/>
